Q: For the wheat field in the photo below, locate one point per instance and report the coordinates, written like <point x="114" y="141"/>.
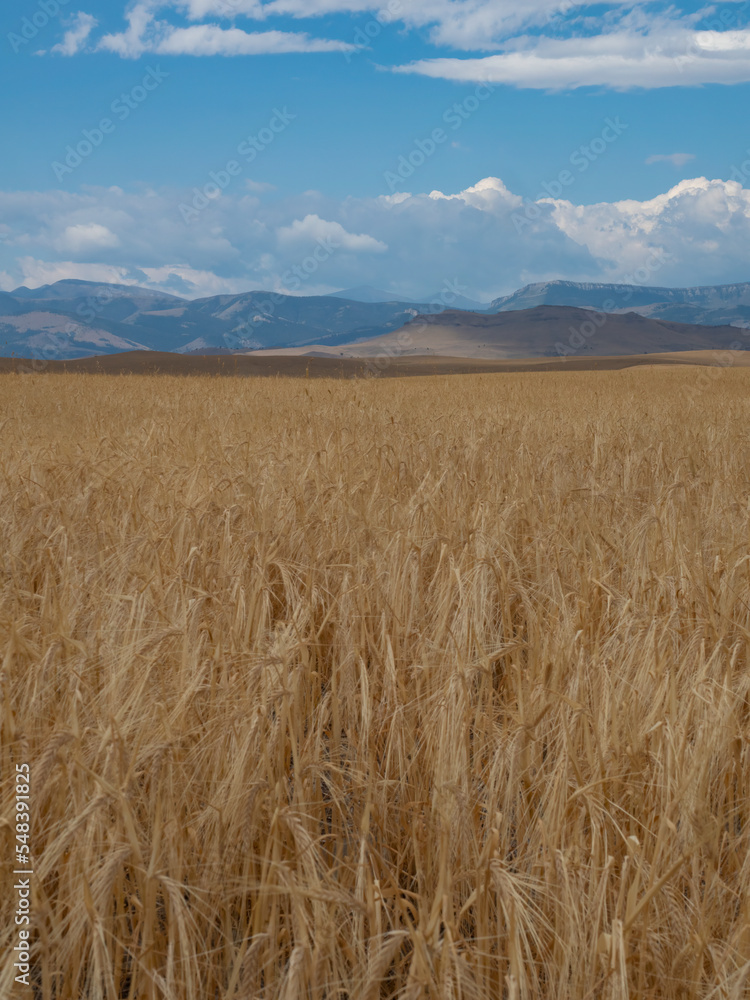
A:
<point x="350" y="690"/>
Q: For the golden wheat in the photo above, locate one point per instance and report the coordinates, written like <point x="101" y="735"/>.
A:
<point x="412" y="688"/>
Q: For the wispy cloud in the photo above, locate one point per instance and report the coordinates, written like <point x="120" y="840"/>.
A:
<point x="77" y="35"/>
<point x="676" y="159"/>
<point x="145" y="34"/>
<point x="672" y="55"/>
<point x="540" y="44"/>
<point x="211" y="40"/>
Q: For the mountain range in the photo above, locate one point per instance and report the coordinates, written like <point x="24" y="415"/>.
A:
<point x="710" y="305"/>
<point x="74" y="319"/>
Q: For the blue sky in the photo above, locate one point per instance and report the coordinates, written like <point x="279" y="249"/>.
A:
<point x="481" y="141"/>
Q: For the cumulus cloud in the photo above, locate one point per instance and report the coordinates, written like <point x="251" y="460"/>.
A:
<point x="676" y="159"/>
<point x="77" y="35"/>
<point x="485" y="237"/>
<point x="313" y="229"/>
<point x="702" y="224"/>
<point x="86" y="237"/>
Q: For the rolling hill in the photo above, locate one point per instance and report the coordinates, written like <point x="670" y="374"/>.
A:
<point x="541" y="332"/>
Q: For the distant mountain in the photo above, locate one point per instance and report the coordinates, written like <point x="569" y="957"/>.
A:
<point x="545" y="331"/>
<point x="73" y="289"/>
<point x="71" y="319"/>
<point x="710" y="305"/>
<point x="79" y="318"/>
<point x="8" y="305"/>
<point x="50" y="335"/>
<point x="443" y="299"/>
<point x="366" y="293"/>
<point x="446" y="299"/>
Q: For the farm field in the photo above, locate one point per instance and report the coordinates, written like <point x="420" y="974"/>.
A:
<point x="293" y="363"/>
<point x="353" y="689"/>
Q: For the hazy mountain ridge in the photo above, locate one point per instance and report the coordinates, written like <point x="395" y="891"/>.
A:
<point x="445" y="299"/>
<point x="707" y="305"/>
<point x="143" y="318"/>
<point x="74" y="318"/>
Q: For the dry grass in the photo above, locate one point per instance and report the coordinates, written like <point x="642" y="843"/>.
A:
<point x="432" y="688"/>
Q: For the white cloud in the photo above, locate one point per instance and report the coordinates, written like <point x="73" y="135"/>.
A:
<point x="460" y="24"/>
<point x="702" y="224"/>
<point x="211" y="40"/>
<point x="540" y="44"/>
<point x="676" y="159"/>
<point x="34" y="273"/>
<point x="196" y="10"/>
<point x="132" y="42"/>
<point x="184" y="280"/>
<point x="486" y="237"/>
<point x="259" y="187"/>
<point x="145" y="34"/>
<point x="85" y="237"/>
<point x="488" y="194"/>
<point x="669" y="55"/>
<point x="313" y="229"/>
<point x="76" y="36"/>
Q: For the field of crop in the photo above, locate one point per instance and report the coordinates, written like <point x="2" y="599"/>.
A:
<point x="346" y="690"/>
